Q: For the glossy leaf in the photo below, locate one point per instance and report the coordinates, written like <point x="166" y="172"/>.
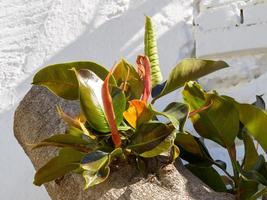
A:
<point x="148" y="136"/>
<point x="209" y="176"/>
<point x="94" y="178"/>
<point x="192" y="150"/>
<point x="94" y="161"/>
<point x="66" y="140"/>
<point x="128" y="79"/>
<point x="137" y="113"/>
<point x="187" y="70"/>
<point x="220" y="122"/>
<point x="176" y="112"/>
<point x="61" y="80"/>
<point x="163" y="147"/>
<point x="91" y="101"/>
<point x="251" y="154"/>
<point x="255" y="120"/>
<point x="119" y="104"/>
<point x="67" y="161"/>
<point x="96" y="166"/>
<point x="151" y="52"/>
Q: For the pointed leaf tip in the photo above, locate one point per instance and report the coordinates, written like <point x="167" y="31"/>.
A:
<point x="151" y="52"/>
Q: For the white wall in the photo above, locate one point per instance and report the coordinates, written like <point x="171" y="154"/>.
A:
<point x="36" y="33"/>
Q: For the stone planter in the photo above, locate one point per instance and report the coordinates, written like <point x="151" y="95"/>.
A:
<point x="36" y="119"/>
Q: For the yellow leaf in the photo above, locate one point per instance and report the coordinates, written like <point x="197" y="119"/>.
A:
<point x="137" y="113"/>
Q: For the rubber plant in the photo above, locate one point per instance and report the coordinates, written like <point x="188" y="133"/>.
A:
<point x="119" y="123"/>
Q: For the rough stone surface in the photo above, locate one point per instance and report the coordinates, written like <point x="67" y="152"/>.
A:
<point x="36" y="119"/>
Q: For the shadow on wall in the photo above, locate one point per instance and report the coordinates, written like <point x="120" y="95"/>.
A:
<point x="118" y="37"/>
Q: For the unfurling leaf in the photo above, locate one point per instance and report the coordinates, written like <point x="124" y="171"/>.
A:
<point x="143" y="63"/>
<point x="109" y="111"/>
<point x="137" y="113"/>
<point x="151" y="52"/>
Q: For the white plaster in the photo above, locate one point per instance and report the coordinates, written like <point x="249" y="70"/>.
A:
<point x="218" y="18"/>
<point x="36" y="33"/>
<point x="255" y="14"/>
<point x="235" y="27"/>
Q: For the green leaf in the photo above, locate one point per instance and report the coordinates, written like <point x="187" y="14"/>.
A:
<point x="96" y="166"/>
<point x="127" y="78"/>
<point x="220" y="122"/>
<point x="119" y="104"/>
<point x="114" y="154"/>
<point x="148" y="136"/>
<point x="251" y="154"/>
<point x="255" y="120"/>
<point x="192" y="150"/>
<point x="176" y="112"/>
<point x="209" y="176"/>
<point x="189" y="69"/>
<point x="94" y="161"/>
<point x="151" y="52"/>
<point x="253" y="175"/>
<point x="66" y="140"/>
<point x="94" y="178"/>
<point x="67" y="161"/>
<point x="62" y="81"/>
<point x="163" y="147"/>
<point x="247" y="188"/>
<point x="91" y="101"/>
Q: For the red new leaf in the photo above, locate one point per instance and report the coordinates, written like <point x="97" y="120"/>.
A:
<point x="143" y="65"/>
<point x="109" y="111"/>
